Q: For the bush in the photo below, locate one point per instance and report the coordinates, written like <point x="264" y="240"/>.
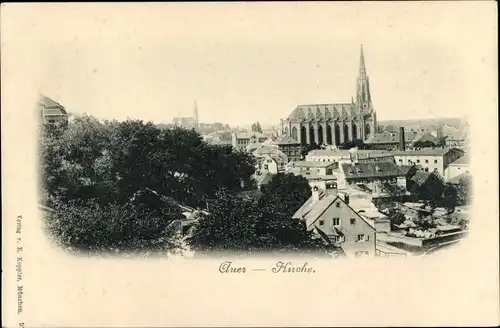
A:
<point x="94" y="228"/>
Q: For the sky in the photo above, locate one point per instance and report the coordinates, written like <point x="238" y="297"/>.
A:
<point x="246" y="62"/>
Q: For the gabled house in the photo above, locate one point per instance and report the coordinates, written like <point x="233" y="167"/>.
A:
<point x="330" y="217"/>
<point x="368" y="173"/>
<point x="271" y="159"/>
<point x="262" y="178"/>
<point x="240" y="140"/>
<point x="51" y="111"/>
<point x="457" y="168"/>
<point x="390" y="140"/>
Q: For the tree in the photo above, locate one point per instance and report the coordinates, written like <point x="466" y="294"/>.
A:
<point x="432" y="190"/>
<point x="424" y="144"/>
<point x="449" y="198"/>
<point x="92" y="169"/>
<point x="229" y="226"/>
<point x="248" y="226"/>
<point x="356" y="143"/>
<point x="396" y="217"/>
<point x="96" y="228"/>
<point x="442" y="141"/>
<point x="285" y="194"/>
<point x="306" y="148"/>
<point x="464" y="190"/>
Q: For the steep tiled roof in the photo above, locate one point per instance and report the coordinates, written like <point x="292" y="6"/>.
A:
<point x="371" y="170"/>
<point x="408" y="169"/>
<point x="248" y="135"/>
<point x="310" y="211"/>
<point x="322" y="112"/>
<point x="420" y="177"/>
<point x="464" y="160"/>
<point x="388" y="137"/>
<point x="263" y="178"/>
<point x="49" y="103"/>
<point x="51" y="107"/>
<point x="309" y="164"/>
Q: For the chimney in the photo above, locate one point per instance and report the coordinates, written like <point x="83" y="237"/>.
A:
<point x="401" y="138"/>
<point x="315" y="194"/>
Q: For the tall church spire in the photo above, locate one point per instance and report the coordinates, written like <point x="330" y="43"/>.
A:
<point x="362" y="66"/>
<point x="363" y="97"/>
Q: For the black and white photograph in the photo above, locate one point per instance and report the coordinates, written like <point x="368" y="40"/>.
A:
<point x="309" y="135"/>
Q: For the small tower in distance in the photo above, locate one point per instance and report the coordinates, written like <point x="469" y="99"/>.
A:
<point x="195" y="115"/>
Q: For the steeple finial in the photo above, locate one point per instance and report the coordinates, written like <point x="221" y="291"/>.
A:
<point x="362" y="67"/>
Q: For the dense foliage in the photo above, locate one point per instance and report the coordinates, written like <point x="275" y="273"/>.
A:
<point x="356" y="143"/>
<point x="120" y="187"/>
<point x="91" y="170"/>
<point x="424" y="144"/>
<point x="248" y="226"/>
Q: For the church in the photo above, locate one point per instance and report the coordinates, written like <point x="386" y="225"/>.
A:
<point x="333" y="124"/>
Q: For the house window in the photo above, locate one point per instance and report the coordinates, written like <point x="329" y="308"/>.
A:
<point x="400" y="161"/>
<point x="361" y="253"/>
<point x="418" y="161"/>
<point x="353" y="221"/>
<point x="337" y="204"/>
<point x="426" y="161"/>
<point x="361" y="237"/>
<point x="266" y="167"/>
<point x="321" y="223"/>
<point x="435" y="161"/>
<point x="336" y="221"/>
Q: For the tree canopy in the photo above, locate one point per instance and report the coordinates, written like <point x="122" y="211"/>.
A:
<point x="424" y="144"/>
<point x="356" y="143"/>
<point x="251" y="226"/>
<point x="91" y="170"/>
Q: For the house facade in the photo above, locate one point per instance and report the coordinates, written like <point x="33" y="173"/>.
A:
<point x="431" y="159"/>
<point x="457" y="168"/>
<point x="240" y="140"/>
<point x="271" y="159"/>
<point x="371" y="175"/>
<point x="346" y="156"/>
<point x="329" y="216"/>
<point x="290" y="147"/>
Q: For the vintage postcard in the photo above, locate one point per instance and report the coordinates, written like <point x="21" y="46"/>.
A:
<point x="250" y="164"/>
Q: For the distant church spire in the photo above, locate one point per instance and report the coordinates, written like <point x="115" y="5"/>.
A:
<point x="362" y="66"/>
<point x="195" y="113"/>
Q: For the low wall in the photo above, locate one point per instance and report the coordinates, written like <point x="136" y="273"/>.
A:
<point x="434" y="241"/>
<point x="422" y="242"/>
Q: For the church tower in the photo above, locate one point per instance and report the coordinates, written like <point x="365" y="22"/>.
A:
<point x="363" y="96"/>
<point x="195" y="115"/>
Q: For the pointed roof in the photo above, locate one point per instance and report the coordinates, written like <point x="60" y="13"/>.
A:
<point x="286" y="140"/>
<point x="362" y="66"/>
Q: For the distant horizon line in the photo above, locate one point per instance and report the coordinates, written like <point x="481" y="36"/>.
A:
<point x="261" y="122"/>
